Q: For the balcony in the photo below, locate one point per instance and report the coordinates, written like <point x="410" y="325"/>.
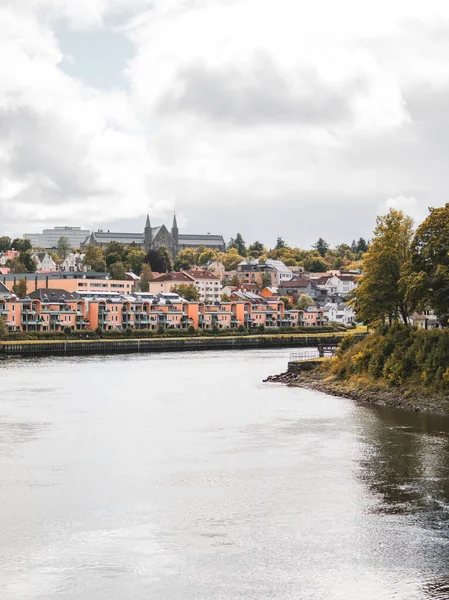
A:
<point x="4" y="311"/>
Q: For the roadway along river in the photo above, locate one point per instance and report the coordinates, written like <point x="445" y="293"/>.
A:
<point x="184" y="477"/>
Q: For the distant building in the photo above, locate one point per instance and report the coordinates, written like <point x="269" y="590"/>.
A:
<point x="44" y="262"/>
<point x="207" y="284"/>
<point x="153" y="238"/>
<point x="48" y="239"/>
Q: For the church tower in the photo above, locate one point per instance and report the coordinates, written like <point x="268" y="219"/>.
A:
<point x="175" y="235"/>
<point x="148" y="235"/>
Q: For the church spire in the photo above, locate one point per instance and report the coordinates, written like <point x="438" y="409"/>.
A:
<point x="148" y="224"/>
<point x="175" y="224"/>
<point x="147" y="235"/>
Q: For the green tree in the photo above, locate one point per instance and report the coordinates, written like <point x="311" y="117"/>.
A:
<point x="266" y="280"/>
<point x="225" y="298"/>
<point x="315" y="264"/>
<point x="21" y="245"/>
<point x="429" y="282"/>
<point x="235" y="281"/>
<point x="321" y="246"/>
<point x="115" y="249"/>
<point x="94" y="257"/>
<point x="304" y="301"/>
<point x="145" y="277"/>
<point x="3" y="328"/>
<point x="280" y="244"/>
<point x="238" y="244"/>
<point x="382" y="292"/>
<point x="63" y="247"/>
<point x="5" y="243"/>
<point x="206" y="255"/>
<point x="186" y="291"/>
<point x="20" y="288"/>
<point x="117" y="271"/>
<point x="256" y="250"/>
<point x="362" y="246"/>
<point x="27" y="259"/>
<point x="167" y="258"/>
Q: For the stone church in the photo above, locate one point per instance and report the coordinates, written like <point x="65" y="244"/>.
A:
<point x="153" y="238"/>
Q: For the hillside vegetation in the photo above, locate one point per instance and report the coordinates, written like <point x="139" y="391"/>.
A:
<point x="397" y="356"/>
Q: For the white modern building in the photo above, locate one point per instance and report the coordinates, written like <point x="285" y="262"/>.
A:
<point x="48" y="239"/>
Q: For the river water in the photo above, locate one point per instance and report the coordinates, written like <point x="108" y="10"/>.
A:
<point x="184" y="477"/>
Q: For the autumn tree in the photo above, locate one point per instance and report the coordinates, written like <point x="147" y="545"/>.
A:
<point x="3" y="328"/>
<point x="382" y="292"/>
<point x="186" y="291"/>
<point x="304" y="301"/>
<point x="231" y="259"/>
<point x="186" y="259"/>
<point x="135" y="258"/>
<point x="20" y="288"/>
<point x="94" y="257"/>
<point x="145" y="277"/>
<point x="429" y="283"/>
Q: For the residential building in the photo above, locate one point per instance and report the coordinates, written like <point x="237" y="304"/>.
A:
<point x="207" y="284"/>
<point x="253" y="270"/>
<point x="8" y="255"/>
<point x="48" y="239"/>
<point x="341" y="284"/>
<point x="44" y="262"/>
<point x="71" y="281"/>
<point x="73" y="262"/>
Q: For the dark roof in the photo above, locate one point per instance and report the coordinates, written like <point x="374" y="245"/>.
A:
<point x="4" y="289"/>
<point x="175" y="276"/>
<point x="202" y="274"/>
<point x="52" y="295"/>
<point x="295" y="283"/>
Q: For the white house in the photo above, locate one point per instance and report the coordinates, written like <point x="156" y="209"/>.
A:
<point x="339" y="313"/>
<point x="73" y="262"/>
<point x="44" y="261"/>
<point x="337" y="284"/>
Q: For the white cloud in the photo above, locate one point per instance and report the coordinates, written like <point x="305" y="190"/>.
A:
<point x="410" y="206"/>
<point x="271" y="108"/>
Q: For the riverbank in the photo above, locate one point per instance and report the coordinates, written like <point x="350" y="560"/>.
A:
<point x="31" y="348"/>
<point x="314" y="375"/>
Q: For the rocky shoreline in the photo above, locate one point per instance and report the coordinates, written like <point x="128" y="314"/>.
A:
<point x="407" y="399"/>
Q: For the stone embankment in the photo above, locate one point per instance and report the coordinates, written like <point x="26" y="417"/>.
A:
<point x="312" y="375"/>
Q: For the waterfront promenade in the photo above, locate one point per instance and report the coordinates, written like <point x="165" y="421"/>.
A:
<point x="41" y="348"/>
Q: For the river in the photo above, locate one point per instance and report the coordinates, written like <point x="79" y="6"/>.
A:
<point x="184" y="477"/>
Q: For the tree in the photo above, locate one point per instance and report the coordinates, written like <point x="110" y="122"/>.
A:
<point x="280" y="244"/>
<point x="27" y="259"/>
<point x="135" y="258"/>
<point x="117" y="271"/>
<point x="21" y="245"/>
<point x="20" y="288"/>
<point x="321" y="246"/>
<point x="16" y="266"/>
<point x="315" y="264"/>
<point x="231" y="259"/>
<point x="362" y="246"/>
<point x="63" y="247"/>
<point x="94" y="257"/>
<point x="186" y="291"/>
<point x="304" y="301"/>
<point x="256" y="249"/>
<point x="145" y="277"/>
<point x="3" y="328"/>
<point x="382" y="292"/>
<point x="114" y="252"/>
<point x="158" y="261"/>
<point x="186" y="259"/>
<point x="206" y="255"/>
<point x="266" y="280"/>
<point x="225" y="298"/>
<point x="238" y="244"/>
<point x="429" y="283"/>
<point x="167" y="257"/>
<point x="286" y="300"/>
<point x="5" y="243"/>
<point x="235" y="281"/>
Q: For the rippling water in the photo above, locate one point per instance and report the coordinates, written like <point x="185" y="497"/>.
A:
<point x="182" y="476"/>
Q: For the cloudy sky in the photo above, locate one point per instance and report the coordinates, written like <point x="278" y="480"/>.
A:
<point x="292" y="118"/>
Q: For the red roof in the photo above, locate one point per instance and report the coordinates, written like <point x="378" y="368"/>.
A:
<point x="175" y="276"/>
<point x="202" y="274"/>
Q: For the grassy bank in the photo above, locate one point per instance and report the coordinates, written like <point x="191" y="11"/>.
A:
<point x="397" y="366"/>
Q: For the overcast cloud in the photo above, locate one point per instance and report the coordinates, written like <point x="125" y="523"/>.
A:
<point x="271" y="118"/>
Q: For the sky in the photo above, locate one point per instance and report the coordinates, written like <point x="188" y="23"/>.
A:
<point x="288" y="118"/>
